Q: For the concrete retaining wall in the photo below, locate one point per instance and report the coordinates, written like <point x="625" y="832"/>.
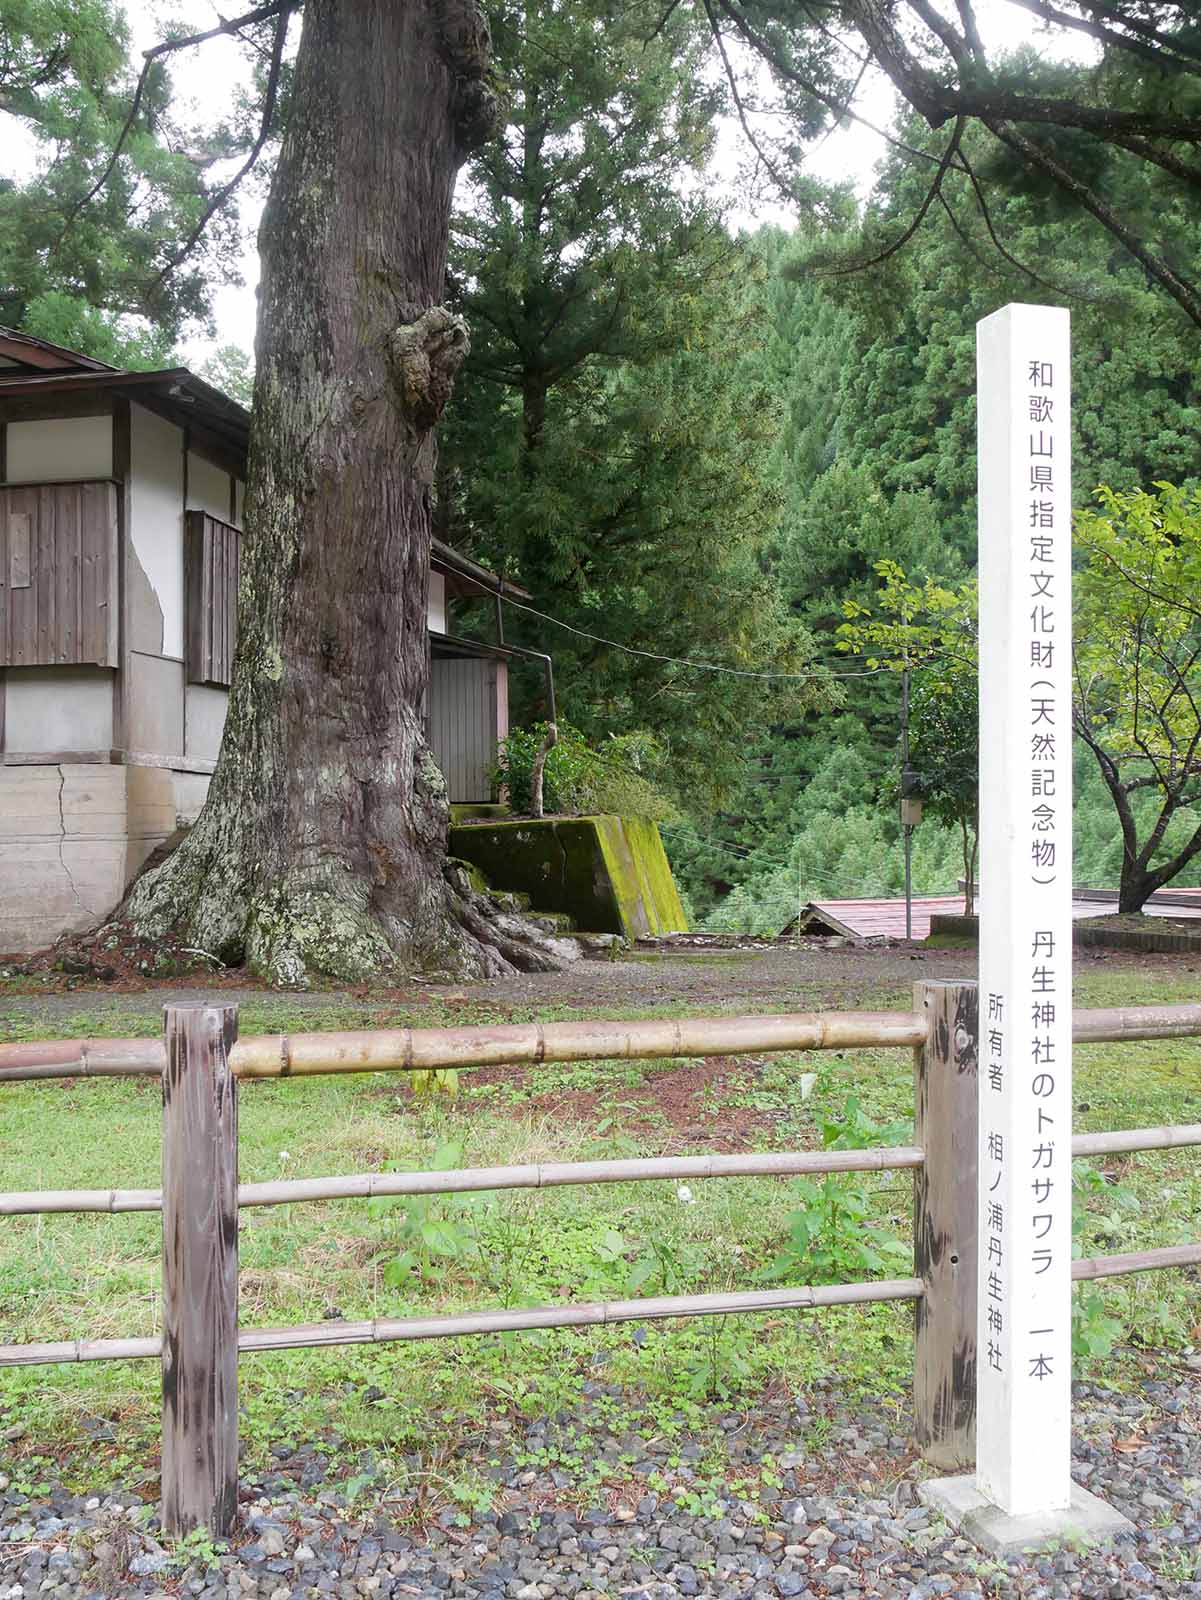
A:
<point x="609" y="874"/>
<point x="72" y="836"/>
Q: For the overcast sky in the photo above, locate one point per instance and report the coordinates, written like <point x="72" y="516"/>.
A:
<point x="207" y="77"/>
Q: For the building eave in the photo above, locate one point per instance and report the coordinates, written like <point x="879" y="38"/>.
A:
<point x="175" y="391"/>
<point x="42" y="355"/>
<point x="473" y="578"/>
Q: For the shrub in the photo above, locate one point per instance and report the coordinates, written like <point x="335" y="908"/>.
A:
<point x="580" y="780"/>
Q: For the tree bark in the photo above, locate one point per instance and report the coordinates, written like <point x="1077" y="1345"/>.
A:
<point x="322" y="844"/>
<point x="1139" y="881"/>
<point x="968" y="838"/>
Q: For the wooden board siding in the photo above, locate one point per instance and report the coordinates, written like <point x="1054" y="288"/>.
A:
<point x="465" y="694"/>
<point x="211" y="576"/>
<point x="58" y="574"/>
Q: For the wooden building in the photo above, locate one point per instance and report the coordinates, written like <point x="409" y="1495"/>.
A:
<point x="121" y="497"/>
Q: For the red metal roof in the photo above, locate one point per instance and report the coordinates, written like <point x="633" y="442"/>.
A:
<point x="865" y="919"/>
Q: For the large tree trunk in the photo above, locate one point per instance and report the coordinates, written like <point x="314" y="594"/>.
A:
<point x="322" y="844"/>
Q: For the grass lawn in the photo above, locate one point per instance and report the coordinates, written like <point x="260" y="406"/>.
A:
<point x="66" y="1276"/>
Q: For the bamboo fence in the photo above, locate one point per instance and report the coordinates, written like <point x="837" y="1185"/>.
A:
<point x="200" y="1062"/>
<point x="552" y="1174"/>
<point x="424" y="1049"/>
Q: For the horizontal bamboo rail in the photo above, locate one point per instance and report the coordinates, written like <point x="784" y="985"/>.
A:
<point x="553" y="1174"/>
<point x="1173" y="1137"/>
<point x="81" y="1058"/>
<point x="422" y="1049"/>
<point x="1116" y="1024"/>
<point x="408" y="1049"/>
<point x="588" y="1314"/>
<point x="585" y="1314"/>
<point x="540" y="1175"/>
<point x="72" y="1350"/>
<point x="1172" y="1255"/>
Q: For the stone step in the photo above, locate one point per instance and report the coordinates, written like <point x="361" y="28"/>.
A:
<point x="514" y="900"/>
<point x="601" y="944"/>
<point x="551" y="921"/>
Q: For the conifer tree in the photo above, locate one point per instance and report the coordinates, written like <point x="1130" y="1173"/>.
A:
<point x="609" y="443"/>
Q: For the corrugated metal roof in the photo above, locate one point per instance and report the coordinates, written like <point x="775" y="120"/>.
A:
<point x="866" y="919"/>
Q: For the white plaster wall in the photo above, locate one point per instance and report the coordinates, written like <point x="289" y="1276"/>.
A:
<point x="154" y="706"/>
<point x="58" y="708"/>
<point x="435" y="611"/>
<point x="191" y="789"/>
<point x="208" y="487"/>
<point x="241" y="488"/>
<point x="65" y="447"/>
<point x="205" y="720"/>
<point x="156" y="516"/>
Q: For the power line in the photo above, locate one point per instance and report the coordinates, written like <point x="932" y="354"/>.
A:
<point x="697" y="666"/>
<point x="740" y="852"/>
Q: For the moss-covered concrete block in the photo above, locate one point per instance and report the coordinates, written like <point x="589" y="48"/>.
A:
<point x="467" y="810"/>
<point x="609" y="874"/>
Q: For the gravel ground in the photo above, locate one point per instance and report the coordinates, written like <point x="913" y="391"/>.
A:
<point x="837" y="1516"/>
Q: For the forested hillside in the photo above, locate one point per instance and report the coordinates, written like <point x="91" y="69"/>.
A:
<point x="692" y="440"/>
<point x="877" y="460"/>
<point x="723" y="435"/>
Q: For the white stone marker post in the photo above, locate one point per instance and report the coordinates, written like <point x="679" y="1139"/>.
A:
<point x="1024" y="1343"/>
<point x="1022" y="1493"/>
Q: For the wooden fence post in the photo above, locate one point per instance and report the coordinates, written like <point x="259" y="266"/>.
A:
<point x="200" y="1270"/>
<point x="945" y="1225"/>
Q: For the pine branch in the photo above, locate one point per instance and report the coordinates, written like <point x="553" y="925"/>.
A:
<point x="1006" y="255"/>
<point x="938" y="102"/>
<point x="1097" y="30"/>
<point x="1186" y="294"/>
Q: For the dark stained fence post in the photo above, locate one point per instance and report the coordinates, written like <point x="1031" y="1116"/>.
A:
<point x="945" y="1225"/>
<point x="200" y="1270"/>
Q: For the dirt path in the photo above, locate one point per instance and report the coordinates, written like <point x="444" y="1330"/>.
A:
<point x="704" y="980"/>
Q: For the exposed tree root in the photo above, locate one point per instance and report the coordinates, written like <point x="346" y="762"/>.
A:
<point x="314" y="925"/>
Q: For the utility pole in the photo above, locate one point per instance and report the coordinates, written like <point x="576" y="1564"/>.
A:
<point x="907" y="803"/>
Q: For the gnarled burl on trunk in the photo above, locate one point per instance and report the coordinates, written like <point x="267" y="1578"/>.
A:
<point x="322" y="844"/>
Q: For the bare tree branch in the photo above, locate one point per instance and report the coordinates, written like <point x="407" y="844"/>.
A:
<point x="955" y="46"/>
<point x="931" y="195"/>
<point x="1097" y="30"/>
<point x="785" y="70"/>
<point x="1162" y="158"/>
<point x="269" y="98"/>
<point x="662" y="22"/>
<point x="167" y="47"/>
<point x="785" y="188"/>
<point x="1146" y="29"/>
<point x="971" y="29"/>
<point x="1005" y="254"/>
